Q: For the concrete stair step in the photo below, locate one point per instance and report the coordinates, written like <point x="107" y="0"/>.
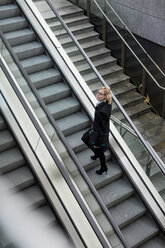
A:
<point x="21" y="178"/>
<point x="13" y="24"/>
<point x="28" y="50"/>
<point x="37" y="63"/>
<point x="73" y="123"/>
<point x="10" y="160"/>
<point x="73" y="50"/>
<point x="8" y="10"/>
<point x="123" y="88"/>
<point x="87" y="27"/>
<point x="19" y="37"/>
<point x="54" y="92"/>
<point x="104" y="61"/>
<point x="116" y="192"/>
<point x="66" y="41"/>
<point x="131" y="97"/>
<point x="70" y="22"/>
<point x="45" y="77"/>
<point x="70" y="11"/>
<point x="132" y="111"/>
<point x="118" y="79"/>
<point x="94" y="54"/>
<point x="64" y="107"/>
<point x="114" y="172"/>
<point x="140" y="231"/>
<point x="6" y="140"/>
<point x="127" y="211"/>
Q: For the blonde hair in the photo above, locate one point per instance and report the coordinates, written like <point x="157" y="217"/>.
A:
<point x="107" y="93"/>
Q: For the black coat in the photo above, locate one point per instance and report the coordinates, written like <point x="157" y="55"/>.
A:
<point x="101" y="124"/>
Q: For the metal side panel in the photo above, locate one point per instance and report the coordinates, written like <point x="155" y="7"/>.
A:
<point x="80" y="232"/>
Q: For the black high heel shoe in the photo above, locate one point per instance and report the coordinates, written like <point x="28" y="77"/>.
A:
<point x="102" y="170"/>
<point x="93" y="157"/>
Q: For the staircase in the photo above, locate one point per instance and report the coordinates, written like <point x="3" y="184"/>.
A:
<point x="121" y="199"/>
<point x="15" y="168"/>
<point x="150" y="125"/>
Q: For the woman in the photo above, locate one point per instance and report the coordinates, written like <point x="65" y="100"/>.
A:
<point x="98" y="138"/>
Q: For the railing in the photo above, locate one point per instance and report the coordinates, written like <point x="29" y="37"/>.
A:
<point x="57" y="139"/>
<point x="115" y="100"/>
<point x="142" y="69"/>
<point x="126" y="122"/>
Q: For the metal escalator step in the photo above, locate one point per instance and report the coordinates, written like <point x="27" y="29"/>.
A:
<point x="11" y="159"/>
<point x="19" y="37"/>
<point x="37" y="63"/>
<point x="127" y="211"/>
<point x="114" y="172"/>
<point x="28" y="50"/>
<point x="20" y="178"/>
<point x="115" y="192"/>
<point x="64" y="107"/>
<point x="9" y="10"/>
<point x="47" y="215"/>
<point x="140" y="231"/>
<point x="75" y="140"/>
<point x="156" y="242"/>
<point x="45" y="77"/>
<point x="13" y="24"/>
<point x="6" y="140"/>
<point x="73" y="123"/>
<point x="54" y="92"/>
<point x="35" y="197"/>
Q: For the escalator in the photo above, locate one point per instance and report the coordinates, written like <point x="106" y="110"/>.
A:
<point x="121" y="198"/>
<point x="16" y="170"/>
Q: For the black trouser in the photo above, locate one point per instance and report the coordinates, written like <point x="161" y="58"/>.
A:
<point x="99" y="152"/>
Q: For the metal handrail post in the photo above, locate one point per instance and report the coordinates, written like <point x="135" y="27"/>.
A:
<point x="88" y="8"/>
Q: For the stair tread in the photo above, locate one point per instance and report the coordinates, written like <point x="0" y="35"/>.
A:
<point x="127" y="211"/>
<point x="73" y="123"/>
<point x="18" y="33"/>
<point x="27" y="46"/>
<point x="63" y="107"/>
<point x="50" y="74"/>
<point x="20" y="178"/>
<point x="140" y="231"/>
<point x="156" y="242"/>
<point x="11" y="159"/>
<point x="115" y="191"/>
<point x="6" y="138"/>
<point x="113" y="173"/>
<point x="54" y="92"/>
<point x="34" y="195"/>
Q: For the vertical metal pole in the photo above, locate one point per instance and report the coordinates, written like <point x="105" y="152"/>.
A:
<point x="104" y="29"/>
<point x="144" y="78"/>
<point x="88" y="9"/>
<point x="123" y="52"/>
<point x="163" y="109"/>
